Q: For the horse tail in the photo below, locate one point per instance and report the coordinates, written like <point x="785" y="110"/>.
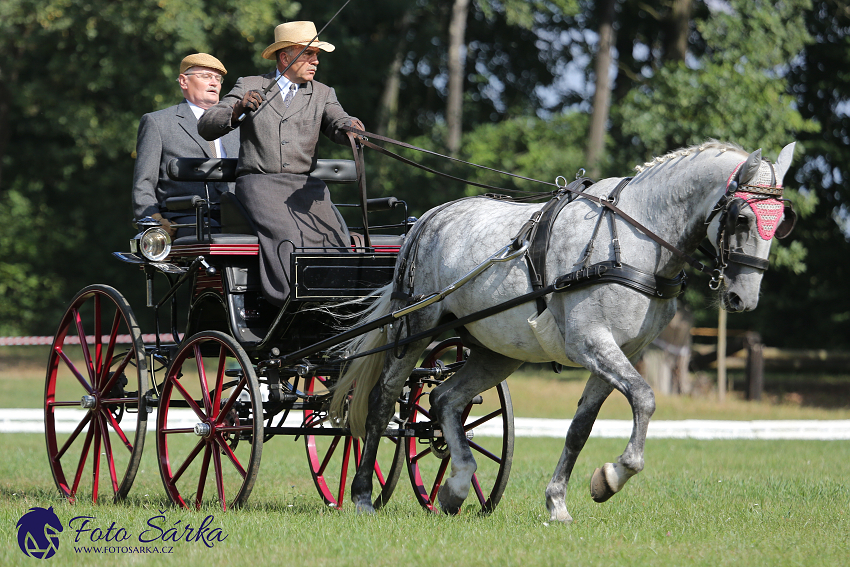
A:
<point x="362" y="373"/>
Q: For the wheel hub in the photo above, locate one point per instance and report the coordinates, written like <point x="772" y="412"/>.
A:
<point x="88" y="402"/>
<point x="202" y="429"/>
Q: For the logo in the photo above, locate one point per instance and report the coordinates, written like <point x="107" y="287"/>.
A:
<point x="38" y="533"/>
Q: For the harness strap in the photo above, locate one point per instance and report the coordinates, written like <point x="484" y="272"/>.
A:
<point x="747" y="260"/>
<point x="604" y="272"/>
<point x="541" y="232"/>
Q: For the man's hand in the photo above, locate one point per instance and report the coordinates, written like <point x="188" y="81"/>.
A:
<point x="355" y="123"/>
<point x="250" y="102"/>
<point x="166" y="224"/>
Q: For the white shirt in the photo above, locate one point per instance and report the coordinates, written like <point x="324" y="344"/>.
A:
<point x="198" y="111"/>
<point x="285" y="84"/>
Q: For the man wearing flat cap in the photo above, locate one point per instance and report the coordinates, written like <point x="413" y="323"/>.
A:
<point x="279" y="132"/>
<point x="173" y="132"/>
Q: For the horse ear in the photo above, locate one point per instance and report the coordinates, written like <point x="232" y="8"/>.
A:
<point x="783" y="162"/>
<point x="750" y="167"/>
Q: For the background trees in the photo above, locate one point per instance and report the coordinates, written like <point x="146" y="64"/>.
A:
<point x="76" y="75"/>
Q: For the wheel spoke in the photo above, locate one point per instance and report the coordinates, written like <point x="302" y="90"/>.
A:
<point x="343" y="473"/>
<point x="192" y="404"/>
<point x="438" y="480"/>
<point x="476" y="486"/>
<point x="176" y="476"/>
<point x="415" y="458"/>
<point x="219" y="478"/>
<point x="131" y="354"/>
<point x="202" y="377"/>
<point x="110" y="459"/>
<point x="219" y="381"/>
<point x="231" y="400"/>
<point x="229" y="452"/>
<point x="83" y="455"/>
<point x="328" y="455"/>
<point x="106" y="362"/>
<point x="81" y="333"/>
<point x="484" y="419"/>
<point x="117" y="428"/>
<point x="202" y="480"/>
<point x="485" y="452"/>
<point x="74" y="370"/>
<point x="95" y="462"/>
<point x="72" y="438"/>
<point x="98" y="346"/>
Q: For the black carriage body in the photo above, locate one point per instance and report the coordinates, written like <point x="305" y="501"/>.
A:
<point x="229" y="298"/>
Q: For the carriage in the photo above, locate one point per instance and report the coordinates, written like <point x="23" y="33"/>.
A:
<point x="586" y="278"/>
<point x="244" y="371"/>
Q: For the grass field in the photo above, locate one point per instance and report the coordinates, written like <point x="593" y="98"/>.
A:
<point x="696" y="503"/>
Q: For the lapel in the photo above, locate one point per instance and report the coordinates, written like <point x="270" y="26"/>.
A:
<point x="274" y="94"/>
<point x="187" y="121"/>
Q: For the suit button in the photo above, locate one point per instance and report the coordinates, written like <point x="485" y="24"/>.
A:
<point x="283" y="142"/>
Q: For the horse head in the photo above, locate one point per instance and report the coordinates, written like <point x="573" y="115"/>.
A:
<point x="751" y="213"/>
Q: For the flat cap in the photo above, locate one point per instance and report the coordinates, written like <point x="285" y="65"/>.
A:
<point x="202" y="60"/>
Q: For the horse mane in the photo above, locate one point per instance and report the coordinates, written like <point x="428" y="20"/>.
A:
<point x="709" y="145"/>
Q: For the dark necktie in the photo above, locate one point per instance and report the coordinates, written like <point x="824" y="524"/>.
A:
<point x="290" y="94"/>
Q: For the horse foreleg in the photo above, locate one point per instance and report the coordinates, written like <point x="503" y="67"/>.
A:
<point x="611" y="365"/>
<point x="596" y="391"/>
<point x="483" y="370"/>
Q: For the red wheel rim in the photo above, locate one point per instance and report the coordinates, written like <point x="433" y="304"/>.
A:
<point x="96" y="376"/>
<point x="493" y="454"/>
<point x="209" y="399"/>
<point x="330" y="458"/>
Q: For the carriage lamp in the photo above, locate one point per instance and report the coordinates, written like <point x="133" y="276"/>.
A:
<point x="155" y="244"/>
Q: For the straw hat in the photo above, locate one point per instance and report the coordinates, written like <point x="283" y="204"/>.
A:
<point x="295" y="33"/>
<point x="201" y="60"/>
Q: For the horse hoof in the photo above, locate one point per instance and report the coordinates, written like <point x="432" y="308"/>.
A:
<point x="560" y="515"/>
<point x="449" y="504"/>
<point x="600" y="489"/>
<point x="364" y="508"/>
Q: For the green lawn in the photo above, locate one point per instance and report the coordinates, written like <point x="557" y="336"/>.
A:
<point x="696" y="503"/>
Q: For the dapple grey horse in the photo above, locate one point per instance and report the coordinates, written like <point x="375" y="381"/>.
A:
<point x="599" y="327"/>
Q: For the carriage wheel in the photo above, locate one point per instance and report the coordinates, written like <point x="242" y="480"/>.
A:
<point x="428" y="462"/>
<point x="94" y="405"/>
<point x="334" y="459"/>
<point x="209" y="428"/>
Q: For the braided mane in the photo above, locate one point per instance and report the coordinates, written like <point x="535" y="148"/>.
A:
<point x="711" y="144"/>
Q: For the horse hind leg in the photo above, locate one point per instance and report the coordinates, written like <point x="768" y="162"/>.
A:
<point x="382" y="400"/>
<point x="483" y="370"/>
<point x="596" y="391"/>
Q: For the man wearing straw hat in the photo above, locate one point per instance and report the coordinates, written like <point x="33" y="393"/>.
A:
<point x="279" y="126"/>
<point x="173" y="132"/>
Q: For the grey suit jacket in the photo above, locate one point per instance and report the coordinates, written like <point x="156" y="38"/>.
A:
<point x="163" y="135"/>
<point x="277" y="139"/>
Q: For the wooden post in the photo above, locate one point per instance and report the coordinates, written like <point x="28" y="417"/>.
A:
<point x="755" y="366"/>
<point x="721" y="356"/>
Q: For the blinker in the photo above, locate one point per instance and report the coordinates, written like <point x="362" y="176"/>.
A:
<point x="789" y="220"/>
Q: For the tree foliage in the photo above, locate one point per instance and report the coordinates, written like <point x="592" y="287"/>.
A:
<point x="76" y="75"/>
